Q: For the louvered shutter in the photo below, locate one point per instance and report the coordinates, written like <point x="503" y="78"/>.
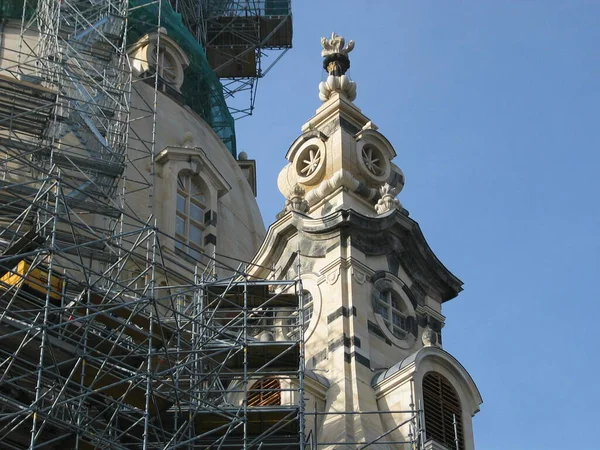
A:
<point x="265" y="392"/>
<point x="441" y="404"/>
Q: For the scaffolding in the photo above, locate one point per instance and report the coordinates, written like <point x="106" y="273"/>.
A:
<point x="106" y="341"/>
<point x="243" y="40"/>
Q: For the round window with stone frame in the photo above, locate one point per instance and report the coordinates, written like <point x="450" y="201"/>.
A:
<point x="393" y="312"/>
<point x="309" y="162"/>
<point x="373" y="162"/>
<point x="168" y="61"/>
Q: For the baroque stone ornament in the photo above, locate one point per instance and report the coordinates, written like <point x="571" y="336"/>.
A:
<point x="308" y="163"/>
<point x="335" y="45"/>
<point x="373" y="160"/>
<point x="429" y="338"/>
<point x="311" y="161"/>
<point x="388" y="200"/>
<point x="336" y="63"/>
<point x="333" y="276"/>
<point x="296" y="201"/>
<point x="360" y="277"/>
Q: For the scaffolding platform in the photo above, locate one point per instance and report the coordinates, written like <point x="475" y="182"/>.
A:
<point x="266" y="427"/>
<point x="268" y="32"/>
<point x="125" y="314"/>
<point x="251" y="295"/>
<point x="254" y="355"/>
<point x="25" y="107"/>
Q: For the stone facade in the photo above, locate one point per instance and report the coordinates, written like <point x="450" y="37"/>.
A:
<point x="379" y="330"/>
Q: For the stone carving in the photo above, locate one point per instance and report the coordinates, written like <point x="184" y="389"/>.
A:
<point x="335" y="45"/>
<point x="310" y="161"/>
<point x="296" y="201"/>
<point x="187" y="140"/>
<point x="333" y="276"/>
<point x="388" y="200"/>
<point x="429" y="338"/>
<point x="336" y="63"/>
<point x="266" y="336"/>
<point x="373" y="160"/>
<point x="360" y="277"/>
<point x="341" y="85"/>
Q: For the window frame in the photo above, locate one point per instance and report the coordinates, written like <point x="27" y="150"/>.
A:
<point x="293" y="322"/>
<point x="186" y="190"/>
<point x="387" y="301"/>
<point x="159" y="59"/>
<point x="403" y="310"/>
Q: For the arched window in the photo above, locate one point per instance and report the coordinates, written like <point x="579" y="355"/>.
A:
<point x="265" y="392"/>
<point x="443" y="413"/>
<point x="189" y="218"/>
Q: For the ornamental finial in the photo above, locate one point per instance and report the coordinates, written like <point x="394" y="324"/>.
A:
<point x="336" y="63"/>
<point x="336" y="60"/>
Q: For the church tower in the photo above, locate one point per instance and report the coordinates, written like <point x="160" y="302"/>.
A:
<point x="377" y="374"/>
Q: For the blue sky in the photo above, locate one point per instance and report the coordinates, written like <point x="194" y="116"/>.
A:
<point x="493" y="109"/>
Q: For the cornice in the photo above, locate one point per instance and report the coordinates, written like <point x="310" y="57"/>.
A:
<point x="381" y="235"/>
<point x="429" y="311"/>
<point x="384" y="234"/>
<point x="278" y="235"/>
<point x="316" y="387"/>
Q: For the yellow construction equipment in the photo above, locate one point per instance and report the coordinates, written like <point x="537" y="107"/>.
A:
<point x="34" y="279"/>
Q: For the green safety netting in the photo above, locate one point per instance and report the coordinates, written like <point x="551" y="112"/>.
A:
<point x="201" y="91"/>
<point x="13" y="9"/>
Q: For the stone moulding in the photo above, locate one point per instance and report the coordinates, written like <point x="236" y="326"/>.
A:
<point x="341" y="178"/>
<point x="371" y="138"/>
<point x="300" y="140"/>
<point x="309" y="161"/>
<point x="198" y="162"/>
